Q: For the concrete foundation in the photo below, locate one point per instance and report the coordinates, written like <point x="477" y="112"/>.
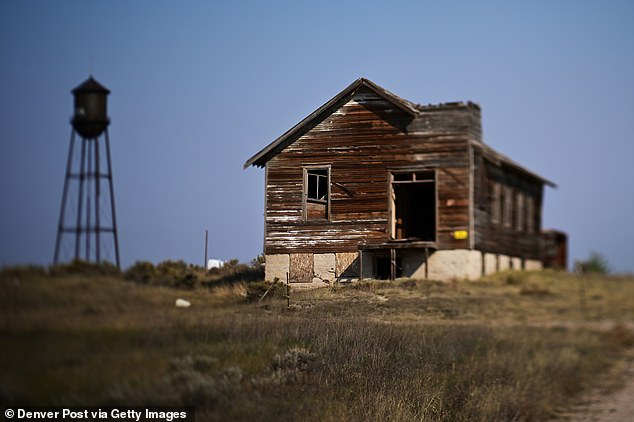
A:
<point x="504" y="262"/>
<point x="324" y="267"/>
<point x="446" y="265"/>
<point x="532" y="265"/>
<point x="457" y="264"/>
<point x="516" y="263"/>
<point x="490" y="263"/>
<point x="277" y="266"/>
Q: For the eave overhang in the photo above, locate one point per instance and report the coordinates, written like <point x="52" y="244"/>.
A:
<point x="500" y="159"/>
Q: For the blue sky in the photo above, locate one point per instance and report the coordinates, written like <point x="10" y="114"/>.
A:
<point x="199" y="87"/>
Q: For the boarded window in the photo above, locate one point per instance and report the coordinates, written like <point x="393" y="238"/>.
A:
<point x="502" y="204"/>
<point x="316" y="193"/>
<point x="301" y="268"/>
<point x="507" y="206"/>
<point x="346" y="264"/>
<point x="519" y="210"/>
<point x="494" y="201"/>
<point x="530" y="214"/>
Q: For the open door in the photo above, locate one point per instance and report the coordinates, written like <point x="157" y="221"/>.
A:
<point x="414" y="206"/>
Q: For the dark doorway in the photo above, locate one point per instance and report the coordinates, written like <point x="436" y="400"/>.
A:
<point x="414" y="206"/>
<point x="384" y="269"/>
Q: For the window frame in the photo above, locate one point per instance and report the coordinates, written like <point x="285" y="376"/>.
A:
<point x="305" y="190"/>
<point x="409" y="175"/>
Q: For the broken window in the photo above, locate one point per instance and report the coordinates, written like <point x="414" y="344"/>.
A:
<point x="316" y="193"/>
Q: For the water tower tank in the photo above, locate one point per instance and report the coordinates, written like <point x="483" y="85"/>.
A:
<point x="90" y="117"/>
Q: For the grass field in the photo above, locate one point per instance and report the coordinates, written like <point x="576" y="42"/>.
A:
<point x="514" y="346"/>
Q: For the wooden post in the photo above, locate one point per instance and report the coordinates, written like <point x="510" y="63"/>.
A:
<point x="392" y="264"/>
<point x="206" y="243"/>
<point x="360" y="265"/>
<point x="267" y="290"/>
<point x="288" y="293"/>
<point x="582" y="295"/>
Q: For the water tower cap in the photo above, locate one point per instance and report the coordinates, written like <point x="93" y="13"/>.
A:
<point x="90" y="85"/>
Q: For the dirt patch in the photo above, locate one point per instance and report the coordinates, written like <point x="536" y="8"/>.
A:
<point x="611" y="400"/>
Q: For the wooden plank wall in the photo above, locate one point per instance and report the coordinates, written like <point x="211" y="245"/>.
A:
<point x="495" y="237"/>
<point x="362" y="141"/>
<point x="450" y="118"/>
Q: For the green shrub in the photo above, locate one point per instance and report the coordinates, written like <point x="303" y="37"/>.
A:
<point x="142" y="272"/>
<point x="80" y="267"/>
<point x="22" y="272"/>
<point x="235" y="272"/>
<point x="167" y="273"/>
<point x="293" y="366"/>
<point x="179" y="274"/>
<point x="515" y="278"/>
<point x="258" y="261"/>
<point x="596" y="264"/>
<point x="256" y="290"/>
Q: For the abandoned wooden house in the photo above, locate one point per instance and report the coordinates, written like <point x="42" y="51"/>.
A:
<point x="373" y="186"/>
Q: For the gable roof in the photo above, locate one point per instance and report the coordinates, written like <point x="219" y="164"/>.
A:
<point x="408" y="107"/>
<point x="283" y="141"/>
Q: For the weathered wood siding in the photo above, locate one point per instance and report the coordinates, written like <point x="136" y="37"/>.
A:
<point x="362" y="141"/>
<point x="449" y="118"/>
<point x="523" y="240"/>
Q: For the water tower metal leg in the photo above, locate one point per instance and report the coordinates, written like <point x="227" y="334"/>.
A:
<point x="82" y="175"/>
<point x="97" y="209"/>
<point x="86" y="175"/>
<point x="88" y="191"/>
<point x="60" y="225"/>
<point x="114" y="220"/>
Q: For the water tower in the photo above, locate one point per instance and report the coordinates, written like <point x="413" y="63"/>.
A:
<point x="87" y="218"/>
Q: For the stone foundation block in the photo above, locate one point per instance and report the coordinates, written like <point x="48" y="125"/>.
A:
<point x="276" y="266"/>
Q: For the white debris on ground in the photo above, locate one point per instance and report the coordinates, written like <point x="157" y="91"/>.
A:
<point x="182" y="303"/>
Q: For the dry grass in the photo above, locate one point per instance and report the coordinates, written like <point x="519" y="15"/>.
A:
<point x="516" y="346"/>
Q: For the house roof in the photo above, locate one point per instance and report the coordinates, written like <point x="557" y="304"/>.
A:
<point x="413" y="109"/>
<point x="501" y="159"/>
<point x="287" y="138"/>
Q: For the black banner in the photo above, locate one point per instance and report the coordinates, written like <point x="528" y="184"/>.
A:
<point x="101" y="413"/>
